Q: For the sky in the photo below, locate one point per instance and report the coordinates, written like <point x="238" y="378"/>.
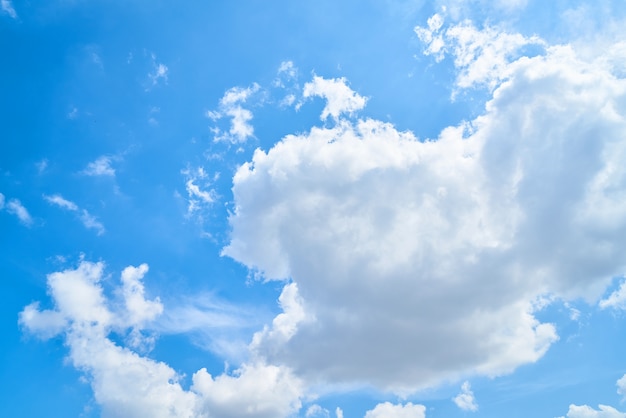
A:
<point x="317" y="209"/>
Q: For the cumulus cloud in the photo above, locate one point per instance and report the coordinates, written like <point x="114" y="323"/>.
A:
<point x="482" y="57"/>
<point x="398" y="247"/>
<point x="7" y="7"/>
<point x="231" y="106"/>
<point x="585" y="411"/>
<point x="15" y="207"/>
<point x="389" y="410"/>
<point x="88" y="220"/>
<point x="127" y="384"/>
<point x="100" y="167"/>
<point x="465" y="400"/>
<point x="340" y="98"/>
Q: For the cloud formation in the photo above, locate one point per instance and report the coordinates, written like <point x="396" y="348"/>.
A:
<point x="15" y="207"/>
<point x="231" y="106"/>
<point x="7" y="7"/>
<point x="389" y="410"/>
<point x="100" y="167"/>
<point x="127" y="384"/>
<point x="400" y="247"/>
<point x="585" y="411"/>
<point x="87" y="219"/>
<point x="465" y="400"/>
<point x="340" y="99"/>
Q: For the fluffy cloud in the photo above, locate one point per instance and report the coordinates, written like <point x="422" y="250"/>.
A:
<point x="340" y="99"/>
<point x="389" y="410"/>
<point x="88" y="220"/>
<point x="431" y="254"/>
<point x="585" y="411"/>
<point x="482" y="57"/>
<point x="129" y="385"/>
<point x="231" y="106"/>
<point x="465" y="400"/>
<point x="100" y="167"/>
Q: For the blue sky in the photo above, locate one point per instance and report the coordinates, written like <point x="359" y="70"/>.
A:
<point x="371" y="209"/>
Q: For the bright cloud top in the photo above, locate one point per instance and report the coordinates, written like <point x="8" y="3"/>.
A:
<point x="340" y="99"/>
<point x="400" y="247"/>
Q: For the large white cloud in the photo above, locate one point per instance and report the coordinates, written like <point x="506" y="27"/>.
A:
<point x="127" y="384"/>
<point x="421" y="261"/>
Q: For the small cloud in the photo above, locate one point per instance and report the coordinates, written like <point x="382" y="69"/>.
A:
<point x="59" y="201"/>
<point x="389" y="410"/>
<point x="158" y="74"/>
<point x="231" y="106"/>
<point x="1" y="201"/>
<point x="42" y="166"/>
<point x="72" y="114"/>
<point x="100" y="167"/>
<point x="465" y="400"/>
<point x="316" y="411"/>
<point x="88" y="220"/>
<point x="15" y="207"/>
<point x="7" y="7"/>
<point x="616" y="300"/>
<point x="198" y="189"/>
<point x="340" y="98"/>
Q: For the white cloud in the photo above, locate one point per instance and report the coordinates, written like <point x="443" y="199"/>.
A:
<point x="7" y="7"/>
<point x="61" y="202"/>
<point x="585" y="411"/>
<point x="259" y="390"/>
<point x="159" y="73"/>
<point x="88" y="220"/>
<point x="389" y="410"/>
<point x="129" y="385"/>
<point x="482" y="57"/>
<point x="316" y="411"/>
<point x="231" y="106"/>
<point x="15" y="207"/>
<point x="399" y="247"/>
<point x="340" y="99"/>
<point x="1" y="201"/>
<point x="465" y="400"/>
<point x="200" y="195"/>
<point x="100" y="167"/>
<point x="617" y="299"/>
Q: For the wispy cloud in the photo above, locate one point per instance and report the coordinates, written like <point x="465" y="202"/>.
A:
<point x="100" y="167"/>
<point x="199" y="191"/>
<point x="88" y="220"/>
<point x="158" y="74"/>
<point x="15" y="207"/>
<point x="7" y="7"/>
